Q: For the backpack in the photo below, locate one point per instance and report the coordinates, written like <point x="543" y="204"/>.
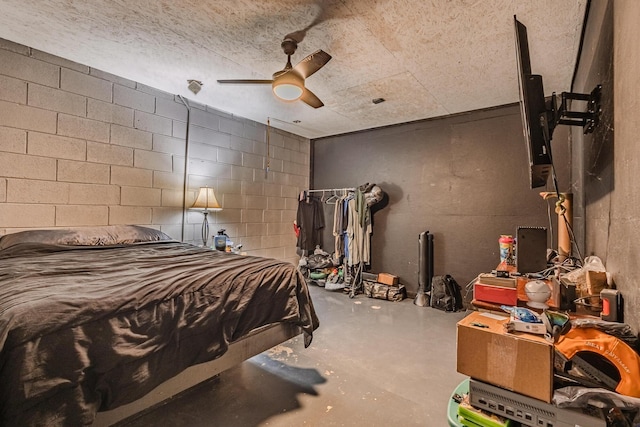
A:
<point x="445" y="293"/>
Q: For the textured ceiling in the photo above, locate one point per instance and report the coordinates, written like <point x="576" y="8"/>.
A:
<point x="426" y="58"/>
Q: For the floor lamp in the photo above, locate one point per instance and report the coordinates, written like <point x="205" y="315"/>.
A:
<point x="206" y="201"/>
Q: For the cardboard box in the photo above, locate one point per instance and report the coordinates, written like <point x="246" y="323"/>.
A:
<point x="372" y="277"/>
<point x="505" y="282"/>
<point x="495" y="294"/>
<point x="519" y="362"/>
<point x="388" y="279"/>
<point x="596" y="282"/>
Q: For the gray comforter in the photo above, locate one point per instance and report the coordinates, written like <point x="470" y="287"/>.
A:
<point x="89" y="328"/>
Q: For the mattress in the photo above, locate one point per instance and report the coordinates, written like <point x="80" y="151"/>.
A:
<point x="91" y="323"/>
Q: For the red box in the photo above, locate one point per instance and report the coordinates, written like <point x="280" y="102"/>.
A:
<point x="495" y="294"/>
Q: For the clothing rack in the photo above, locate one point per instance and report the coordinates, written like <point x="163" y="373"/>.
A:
<point x="333" y="191"/>
<point x="330" y="189"/>
<point x="355" y="271"/>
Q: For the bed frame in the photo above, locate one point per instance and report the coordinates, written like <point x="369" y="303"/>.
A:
<point x="253" y="344"/>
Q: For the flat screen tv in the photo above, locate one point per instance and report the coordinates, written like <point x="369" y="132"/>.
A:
<point x="536" y="123"/>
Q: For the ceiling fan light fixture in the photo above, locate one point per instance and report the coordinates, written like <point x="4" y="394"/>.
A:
<point x="288" y="87"/>
<point x="287" y="92"/>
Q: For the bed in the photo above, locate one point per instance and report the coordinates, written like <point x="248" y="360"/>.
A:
<point x="94" y="319"/>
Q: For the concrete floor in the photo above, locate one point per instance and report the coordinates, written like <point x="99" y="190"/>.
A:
<point x="372" y="362"/>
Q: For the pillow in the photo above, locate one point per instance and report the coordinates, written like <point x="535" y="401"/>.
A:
<point x="86" y="236"/>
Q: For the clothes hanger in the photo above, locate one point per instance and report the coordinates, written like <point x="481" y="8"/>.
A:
<point x="333" y="199"/>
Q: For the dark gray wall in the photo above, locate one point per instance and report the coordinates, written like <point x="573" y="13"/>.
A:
<point x="607" y="172"/>
<point x="593" y="173"/>
<point x="464" y="178"/>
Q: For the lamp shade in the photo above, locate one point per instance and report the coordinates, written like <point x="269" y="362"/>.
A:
<point x="206" y="200"/>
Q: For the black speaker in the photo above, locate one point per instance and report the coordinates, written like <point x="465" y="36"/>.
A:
<point x="531" y="249"/>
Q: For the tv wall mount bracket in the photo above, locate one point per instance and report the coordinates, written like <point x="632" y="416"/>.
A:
<point x="561" y="115"/>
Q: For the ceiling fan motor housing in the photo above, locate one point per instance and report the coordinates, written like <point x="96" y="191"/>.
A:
<point x="289" y="46"/>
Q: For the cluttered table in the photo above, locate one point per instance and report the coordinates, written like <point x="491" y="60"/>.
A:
<point x="590" y="349"/>
<point x="505" y="286"/>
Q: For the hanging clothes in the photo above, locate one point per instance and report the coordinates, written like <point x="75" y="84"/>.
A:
<point x="345" y="224"/>
<point x="310" y="220"/>
<point x="359" y="230"/>
<point x="338" y="249"/>
<point x="352" y="253"/>
<point x="339" y="227"/>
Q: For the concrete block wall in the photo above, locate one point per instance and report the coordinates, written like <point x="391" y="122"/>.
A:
<point x="82" y="147"/>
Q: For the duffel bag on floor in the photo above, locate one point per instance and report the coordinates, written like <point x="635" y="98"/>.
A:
<point x="382" y="291"/>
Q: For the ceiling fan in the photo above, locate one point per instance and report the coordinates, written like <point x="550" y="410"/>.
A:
<point x="288" y="83"/>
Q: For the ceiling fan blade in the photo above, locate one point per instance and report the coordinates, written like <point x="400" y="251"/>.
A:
<point x="311" y="99"/>
<point x="246" y="81"/>
<point x="312" y="63"/>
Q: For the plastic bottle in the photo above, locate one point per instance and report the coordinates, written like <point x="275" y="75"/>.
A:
<point x="506" y="248"/>
<point x="220" y="241"/>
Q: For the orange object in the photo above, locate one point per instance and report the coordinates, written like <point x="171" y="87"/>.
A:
<point x="564" y="209"/>
<point x="616" y="351"/>
<point x="387" y="279"/>
<point x="606" y="307"/>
